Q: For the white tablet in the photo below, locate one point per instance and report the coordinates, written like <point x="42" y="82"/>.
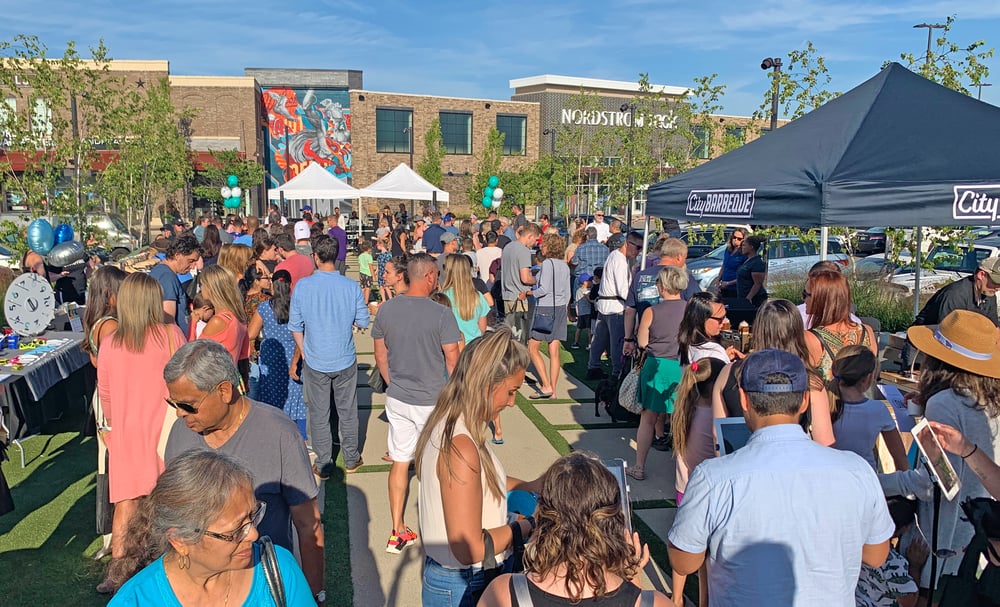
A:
<point x="935" y="457"/>
<point x="731" y="434"/>
<point x="617" y="467"/>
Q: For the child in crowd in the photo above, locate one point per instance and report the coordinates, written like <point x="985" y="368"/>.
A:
<point x="365" y="262"/>
<point x="694" y="441"/>
<point x="583" y="309"/>
<point x="894" y="583"/>
<point x="381" y="258"/>
<point x="202" y="311"/>
<point x="858" y="420"/>
<point x="441" y="298"/>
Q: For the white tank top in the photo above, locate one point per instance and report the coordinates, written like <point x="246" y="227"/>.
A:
<point x="433" y="534"/>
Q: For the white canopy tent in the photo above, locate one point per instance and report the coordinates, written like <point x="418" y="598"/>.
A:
<point x="403" y="183"/>
<point x="315" y="183"/>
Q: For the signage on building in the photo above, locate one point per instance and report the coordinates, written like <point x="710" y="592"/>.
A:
<point x="721" y="203"/>
<point x="979" y="202"/>
<point x="615" y="118"/>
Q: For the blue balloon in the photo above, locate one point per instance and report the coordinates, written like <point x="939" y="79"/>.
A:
<point x="494" y="181"/>
<point x="41" y="237"/>
<point x="63" y="233"/>
<point x="232" y="181"/>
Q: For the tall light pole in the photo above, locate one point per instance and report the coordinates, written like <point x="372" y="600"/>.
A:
<point x="920" y="230"/>
<point x="552" y="171"/>
<point x="630" y="108"/>
<point x="775" y="63"/>
<point x="981" y="85"/>
<point x="409" y="130"/>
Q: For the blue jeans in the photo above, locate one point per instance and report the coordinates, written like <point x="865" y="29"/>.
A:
<point x="443" y="587"/>
<point x="254" y="384"/>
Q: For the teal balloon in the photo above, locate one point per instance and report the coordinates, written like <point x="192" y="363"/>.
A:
<point x="488" y="193"/>
<point x="232" y="203"/>
<point x="232" y="181"/>
<point x="494" y="181"/>
<point x="63" y="233"/>
<point x="41" y="237"/>
<point x="487" y="202"/>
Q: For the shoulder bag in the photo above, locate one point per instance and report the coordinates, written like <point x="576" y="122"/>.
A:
<point x="628" y="393"/>
<point x="520" y="580"/>
<point x="272" y="573"/>
<point x="544" y="322"/>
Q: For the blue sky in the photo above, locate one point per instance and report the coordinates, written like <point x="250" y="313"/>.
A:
<point x="474" y="49"/>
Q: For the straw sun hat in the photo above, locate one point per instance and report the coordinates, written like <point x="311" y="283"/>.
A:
<point x="964" y="339"/>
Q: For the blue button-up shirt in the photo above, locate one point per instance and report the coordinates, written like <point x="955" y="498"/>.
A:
<point x="325" y="307"/>
<point x="589" y="255"/>
<point x="784" y="520"/>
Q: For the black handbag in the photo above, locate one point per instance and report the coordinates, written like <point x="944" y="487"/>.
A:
<point x="544" y="322"/>
<point x="376" y="382"/>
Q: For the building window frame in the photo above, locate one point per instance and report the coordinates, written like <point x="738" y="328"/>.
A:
<point x="455" y="142"/>
<point x="509" y="147"/>
<point x="391" y="136"/>
<point x="702" y="144"/>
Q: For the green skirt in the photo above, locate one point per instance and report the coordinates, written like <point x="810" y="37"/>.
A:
<point x="658" y="383"/>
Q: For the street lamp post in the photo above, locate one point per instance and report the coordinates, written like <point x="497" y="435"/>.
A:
<point x="552" y="171"/>
<point x="409" y="131"/>
<point x="630" y="108"/>
<point x="775" y="63"/>
<point x="981" y="85"/>
<point x="920" y="230"/>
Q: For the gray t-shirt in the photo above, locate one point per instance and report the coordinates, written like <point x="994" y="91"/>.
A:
<point x="514" y="257"/>
<point x="270" y="445"/>
<point x="414" y="330"/>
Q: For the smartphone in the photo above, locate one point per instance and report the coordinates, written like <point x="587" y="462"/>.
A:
<point x="936" y="458"/>
<point x="617" y="468"/>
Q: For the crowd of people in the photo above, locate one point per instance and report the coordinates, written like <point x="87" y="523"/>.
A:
<point x="230" y="362"/>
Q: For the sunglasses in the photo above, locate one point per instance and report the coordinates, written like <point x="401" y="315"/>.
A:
<point x="806" y="294"/>
<point x="188" y="407"/>
<point x="240" y="534"/>
<point x="737" y="239"/>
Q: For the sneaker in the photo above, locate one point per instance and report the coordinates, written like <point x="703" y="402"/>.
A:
<point x="663" y="443"/>
<point x="575" y="346"/>
<point x="355" y="467"/>
<point x="321" y="474"/>
<point x="398" y="541"/>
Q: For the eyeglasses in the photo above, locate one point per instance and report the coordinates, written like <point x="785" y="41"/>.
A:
<point x="240" y="534"/>
<point x="806" y="294"/>
<point x="188" y="407"/>
<point x="718" y="319"/>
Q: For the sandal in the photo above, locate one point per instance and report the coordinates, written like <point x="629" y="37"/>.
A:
<point x="637" y="473"/>
<point x="539" y="395"/>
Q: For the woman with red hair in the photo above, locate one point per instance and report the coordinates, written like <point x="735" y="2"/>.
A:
<point x="828" y="306"/>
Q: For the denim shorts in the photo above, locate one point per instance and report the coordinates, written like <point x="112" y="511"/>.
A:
<point x="444" y="587"/>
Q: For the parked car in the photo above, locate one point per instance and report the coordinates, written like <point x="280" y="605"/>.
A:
<point x="871" y="241"/>
<point x="788" y="258"/>
<point x="702" y="241"/>
<point x="117" y="239"/>
<point x="948" y="265"/>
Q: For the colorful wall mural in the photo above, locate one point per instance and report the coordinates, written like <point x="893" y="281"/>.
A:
<point x="305" y="126"/>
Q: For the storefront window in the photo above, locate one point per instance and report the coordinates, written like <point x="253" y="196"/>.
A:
<point x="392" y="130"/>
<point x="456" y="132"/>
<point x="514" y="129"/>
<point x="702" y="142"/>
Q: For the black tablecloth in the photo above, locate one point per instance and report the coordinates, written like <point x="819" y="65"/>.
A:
<point x="46" y="388"/>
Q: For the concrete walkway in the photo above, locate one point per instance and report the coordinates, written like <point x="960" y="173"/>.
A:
<point x="380" y="578"/>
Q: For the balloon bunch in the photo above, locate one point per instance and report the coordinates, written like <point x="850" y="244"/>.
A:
<point x="42" y="236"/>
<point x="231" y="193"/>
<point x="492" y="195"/>
<point x="57" y="243"/>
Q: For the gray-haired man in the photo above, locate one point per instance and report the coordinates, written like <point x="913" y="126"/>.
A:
<point x="204" y="390"/>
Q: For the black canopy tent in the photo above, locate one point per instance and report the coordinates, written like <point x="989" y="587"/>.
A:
<point x="896" y="150"/>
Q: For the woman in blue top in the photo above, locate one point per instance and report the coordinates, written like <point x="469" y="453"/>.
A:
<point x="278" y="353"/>
<point x="189" y="546"/>
<point x="469" y="306"/>
<point x="732" y="259"/>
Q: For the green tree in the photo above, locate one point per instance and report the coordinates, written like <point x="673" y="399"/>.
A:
<point x="489" y="164"/>
<point x="802" y="85"/>
<point x="151" y="161"/>
<point x="54" y="120"/>
<point x="950" y="64"/>
<point x="429" y="166"/>
<point x="224" y="163"/>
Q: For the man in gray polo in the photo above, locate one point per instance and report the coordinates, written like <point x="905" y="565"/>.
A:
<point x="517" y="280"/>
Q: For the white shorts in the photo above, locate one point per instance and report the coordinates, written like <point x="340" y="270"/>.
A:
<point x="406" y="422"/>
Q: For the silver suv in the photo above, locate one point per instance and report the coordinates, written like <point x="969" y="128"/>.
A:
<point x="788" y="258"/>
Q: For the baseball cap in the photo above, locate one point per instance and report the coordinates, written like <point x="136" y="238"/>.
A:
<point x="448" y="237"/>
<point x="757" y="366"/>
<point x="448" y="217"/>
<point x="307" y="208"/>
<point x="615" y="241"/>
<point x="179" y="222"/>
<point x="301" y="230"/>
<point x="991" y="265"/>
<point x="585" y="277"/>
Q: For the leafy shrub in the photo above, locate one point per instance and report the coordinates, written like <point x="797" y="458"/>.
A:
<point x="871" y="297"/>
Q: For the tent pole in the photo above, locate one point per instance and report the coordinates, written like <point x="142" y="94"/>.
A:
<point x="824" y="237"/>
<point x="645" y="239"/>
<point x="916" y="271"/>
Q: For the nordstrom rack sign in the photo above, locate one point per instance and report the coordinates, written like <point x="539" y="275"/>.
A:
<point x="616" y="118"/>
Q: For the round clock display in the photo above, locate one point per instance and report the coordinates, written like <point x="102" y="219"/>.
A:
<point x="29" y="305"/>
